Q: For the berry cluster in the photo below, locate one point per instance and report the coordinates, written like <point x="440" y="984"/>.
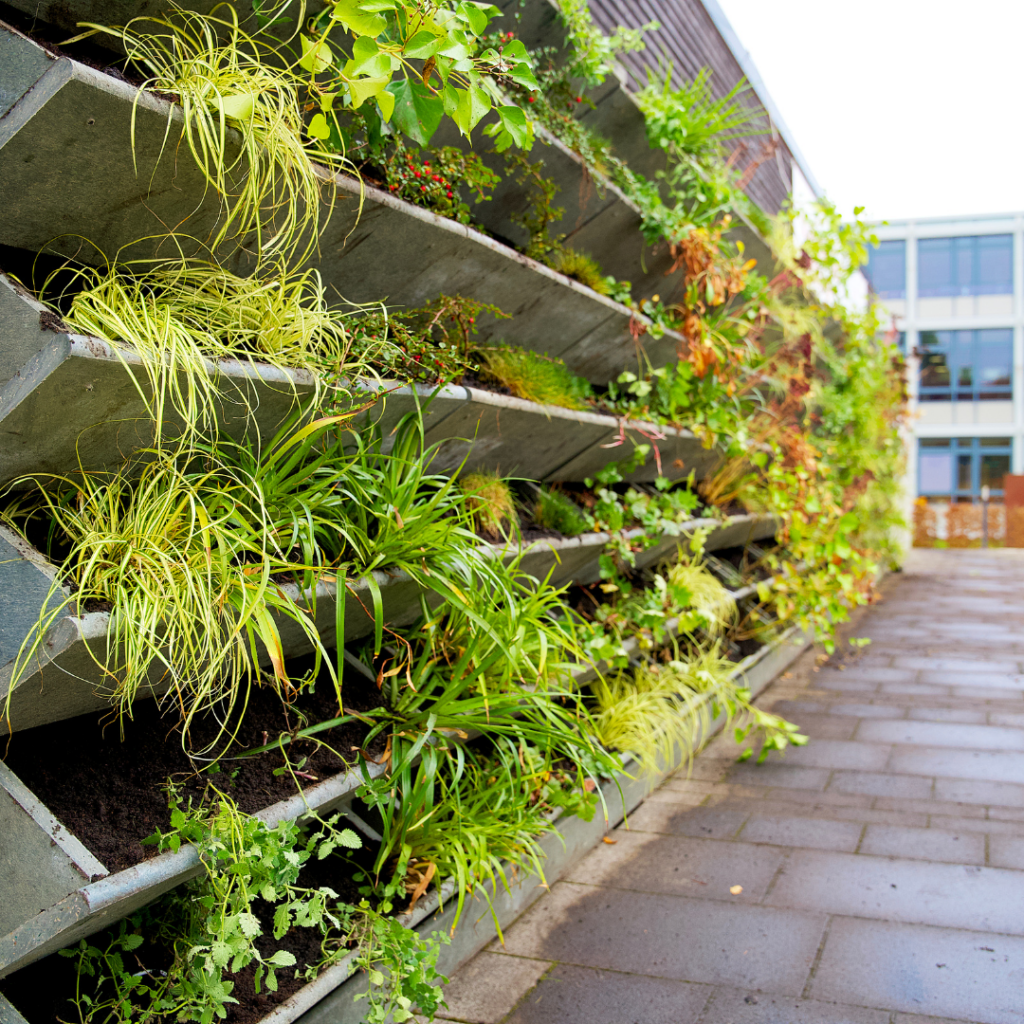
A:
<point x="435" y="181"/>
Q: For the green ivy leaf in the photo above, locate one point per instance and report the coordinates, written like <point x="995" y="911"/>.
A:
<point x="422" y="45"/>
<point x="417" y="110"/>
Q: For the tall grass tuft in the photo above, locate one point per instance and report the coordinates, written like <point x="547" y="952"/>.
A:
<point x="534" y="377"/>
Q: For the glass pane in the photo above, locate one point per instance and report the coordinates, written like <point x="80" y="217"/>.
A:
<point x="996" y="442"/>
<point x="995" y="265"/>
<point x="934" y="442"/>
<point x="934" y="371"/>
<point x="994" y="358"/>
<point x="963" y="249"/>
<point x="963" y="472"/>
<point x="935" y="266"/>
<point x="936" y="473"/>
<point x="993" y="469"/>
<point x="962" y="359"/>
<point x="887" y="269"/>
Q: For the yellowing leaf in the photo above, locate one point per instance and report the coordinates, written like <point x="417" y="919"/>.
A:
<point x="316" y="56"/>
<point x="364" y="88"/>
<point x="386" y="102"/>
<point x="239" y="106"/>
<point x="318" y="127"/>
<point x="358" y="21"/>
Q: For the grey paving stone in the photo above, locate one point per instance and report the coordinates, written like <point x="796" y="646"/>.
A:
<point x="570" y="994"/>
<point x="739" y="1007"/>
<point x="880" y="784"/>
<point x="829" y="798"/>
<point x="794" y="707"/>
<point x="835" y="754"/>
<point x="916" y="1018"/>
<point x="931" y="806"/>
<point x="867" y="710"/>
<point x="940" y="972"/>
<point x="489" y="986"/>
<point x="943" y="734"/>
<point x="980" y="791"/>
<point x="916" y="689"/>
<point x="990" y="825"/>
<point x="1007" y="698"/>
<point x="1014" y="719"/>
<point x="964" y="715"/>
<point x="956" y="665"/>
<point x="679" y="865"/>
<point x="839" y="684"/>
<point x="671" y="937"/>
<point x="877" y="673"/>
<point x="1006" y="852"/>
<point x="779" y="774"/>
<point x="991" y="766"/>
<point x="984" y="680"/>
<point x="924" y="844"/>
<point x="700" y="822"/>
<point x="823" y="727"/>
<point x="998" y="813"/>
<point x="810" y="832"/>
<point x="909" y="891"/>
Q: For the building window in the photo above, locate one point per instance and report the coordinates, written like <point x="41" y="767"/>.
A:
<point x="887" y="269"/>
<point x="966" y="366"/>
<point x="955" y="469"/>
<point x="974" y="265"/>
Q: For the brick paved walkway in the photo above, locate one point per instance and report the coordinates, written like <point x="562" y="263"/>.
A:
<point x="882" y="865"/>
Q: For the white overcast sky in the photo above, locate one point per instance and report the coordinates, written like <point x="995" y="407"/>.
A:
<point x="908" y="107"/>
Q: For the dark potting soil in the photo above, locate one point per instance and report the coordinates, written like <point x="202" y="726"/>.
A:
<point x="43" y="991"/>
<point x="109" y="792"/>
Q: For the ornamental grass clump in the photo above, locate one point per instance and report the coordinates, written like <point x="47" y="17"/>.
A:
<point x="491" y="504"/>
<point x="554" y="510"/>
<point x="180" y="317"/>
<point x="536" y="378"/>
<point x="242" y="124"/>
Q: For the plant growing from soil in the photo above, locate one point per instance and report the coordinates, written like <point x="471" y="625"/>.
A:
<point x="490" y="503"/>
<point x="554" y="510"/>
<point x="432" y="343"/>
<point x="537" y="378"/>
<point x="179" y="316"/>
<point x="437" y="179"/>
<point x="263" y="170"/>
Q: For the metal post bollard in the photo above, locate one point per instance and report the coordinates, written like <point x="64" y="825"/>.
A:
<point x="985" y="493"/>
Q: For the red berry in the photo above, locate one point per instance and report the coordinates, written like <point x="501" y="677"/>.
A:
<point x="449" y="195"/>
<point x="417" y="174"/>
<point x="423" y="188"/>
<point x="435" y="177"/>
<point x="579" y="99"/>
<point x="530" y="99"/>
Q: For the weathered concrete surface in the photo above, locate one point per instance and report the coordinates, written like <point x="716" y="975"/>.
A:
<point x="881" y="865"/>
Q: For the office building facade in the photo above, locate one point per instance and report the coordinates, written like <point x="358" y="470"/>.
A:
<point x="955" y="290"/>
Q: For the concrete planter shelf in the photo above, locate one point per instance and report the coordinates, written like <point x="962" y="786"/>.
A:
<point x="54" y="105"/>
<point x="63" y="893"/>
<point x="102" y="392"/>
<point x="330" y="998"/>
<point x="515" y="437"/>
<point x="66" y="678"/>
<point x="73" y="896"/>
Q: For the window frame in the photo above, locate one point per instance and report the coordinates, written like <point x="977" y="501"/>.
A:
<point x="964" y="251"/>
<point x="976" y="391"/>
<point x="974" y="447"/>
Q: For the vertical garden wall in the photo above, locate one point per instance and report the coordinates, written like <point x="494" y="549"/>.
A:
<point x="415" y="442"/>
